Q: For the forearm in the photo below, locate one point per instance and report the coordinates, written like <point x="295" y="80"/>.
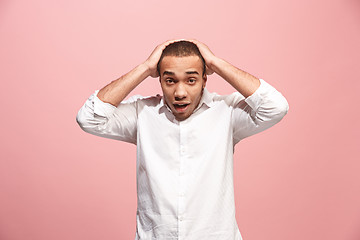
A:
<point x="117" y="90"/>
<point x="242" y="81"/>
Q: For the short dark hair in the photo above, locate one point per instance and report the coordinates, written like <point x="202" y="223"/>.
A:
<point x="181" y="49"/>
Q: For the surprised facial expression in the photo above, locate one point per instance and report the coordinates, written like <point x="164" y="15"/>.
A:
<point x="182" y="82"/>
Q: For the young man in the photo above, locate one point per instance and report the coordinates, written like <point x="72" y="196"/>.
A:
<point x="185" y="138"/>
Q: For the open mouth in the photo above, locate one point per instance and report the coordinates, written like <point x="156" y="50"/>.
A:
<point x="181" y="107"/>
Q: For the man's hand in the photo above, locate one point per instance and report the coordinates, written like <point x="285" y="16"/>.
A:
<point x="117" y="90"/>
<point x="242" y="81"/>
<point x="208" y="56"/>
<point x="154" y="58"/>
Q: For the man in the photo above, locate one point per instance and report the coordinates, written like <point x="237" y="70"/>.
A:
<point x="185" y="138"/>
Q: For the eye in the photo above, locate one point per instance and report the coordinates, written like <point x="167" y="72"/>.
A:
<point x="192" y="80"/>
<point x="170" y="81"/>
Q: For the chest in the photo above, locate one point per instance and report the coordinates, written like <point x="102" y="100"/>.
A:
<point x="202" y="130"/>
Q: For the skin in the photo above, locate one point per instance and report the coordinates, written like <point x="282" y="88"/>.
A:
<point x="182" y="84"/>
<point x="117" y="90"/>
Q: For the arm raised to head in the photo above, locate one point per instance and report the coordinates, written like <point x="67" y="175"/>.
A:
<point x="242" y="81"/>
<point x="117" y="90"/>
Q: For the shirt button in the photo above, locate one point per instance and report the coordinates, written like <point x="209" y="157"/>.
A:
<point x="181" y="218"/>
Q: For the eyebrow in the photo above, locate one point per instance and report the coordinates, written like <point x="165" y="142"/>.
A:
<point x="168" y="73"/>
<point x="192" y="72"/>
<point x="172" y="73"/>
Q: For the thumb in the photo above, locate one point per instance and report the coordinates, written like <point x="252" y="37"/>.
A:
<point x="208" y="71"/>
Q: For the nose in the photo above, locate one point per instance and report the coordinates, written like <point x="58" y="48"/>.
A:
<point x="180" y="92"/>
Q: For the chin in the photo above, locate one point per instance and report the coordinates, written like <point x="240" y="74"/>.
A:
<point x="182" y="117"/>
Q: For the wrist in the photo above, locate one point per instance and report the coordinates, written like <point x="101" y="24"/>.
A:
<point x="145" y="68"/>
<point x="214" y="63"/>
<point x="149" y="69"/>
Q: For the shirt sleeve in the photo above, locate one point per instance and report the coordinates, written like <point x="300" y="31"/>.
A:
<point x="105" y="120"/>
<point x="258" y="112"/>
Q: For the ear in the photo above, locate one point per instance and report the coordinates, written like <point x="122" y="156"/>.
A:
<point x="205" y="79"/>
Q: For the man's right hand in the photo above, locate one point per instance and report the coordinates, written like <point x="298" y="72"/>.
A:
<point x="154" y="58"/>
<point x="117" y="90"/>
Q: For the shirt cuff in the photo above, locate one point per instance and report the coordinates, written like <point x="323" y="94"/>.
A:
<point x="255" y="99"/>
<point x="101" y="108"/>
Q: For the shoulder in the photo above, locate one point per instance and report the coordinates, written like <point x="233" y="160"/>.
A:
<point x="144" y="100"/>
<point x="230" y="99"/>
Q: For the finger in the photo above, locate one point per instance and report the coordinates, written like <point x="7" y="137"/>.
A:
<point x="208" y="71"/>
<point x="155" y="75"/>
<point x="198" y="43"/>
<point x="192" y="40"/>
<point x="173" y="40"/>
<point x="163" y="45"/>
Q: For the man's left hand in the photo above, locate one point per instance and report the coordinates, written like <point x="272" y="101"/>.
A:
<point x="208" y="56"/>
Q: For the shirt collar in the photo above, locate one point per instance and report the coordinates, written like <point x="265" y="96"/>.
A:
<point x="206" y="99"/>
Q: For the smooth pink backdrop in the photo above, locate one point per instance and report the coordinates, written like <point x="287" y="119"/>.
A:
<point x="297" y="180"/>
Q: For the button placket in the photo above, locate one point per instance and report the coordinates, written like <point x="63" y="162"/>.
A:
<point x="181" y="193"/>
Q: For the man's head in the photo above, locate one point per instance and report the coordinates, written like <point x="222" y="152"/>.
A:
<point x="182" y="76"/>
<point x="181" y="49"/>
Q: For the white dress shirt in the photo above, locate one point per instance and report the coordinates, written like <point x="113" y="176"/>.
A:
<point x="185" y="168"/>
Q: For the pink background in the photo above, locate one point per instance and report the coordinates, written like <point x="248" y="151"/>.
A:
<point x="297" y="180"/>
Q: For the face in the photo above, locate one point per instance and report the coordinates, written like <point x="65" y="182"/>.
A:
<point x="182" y="83"/>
